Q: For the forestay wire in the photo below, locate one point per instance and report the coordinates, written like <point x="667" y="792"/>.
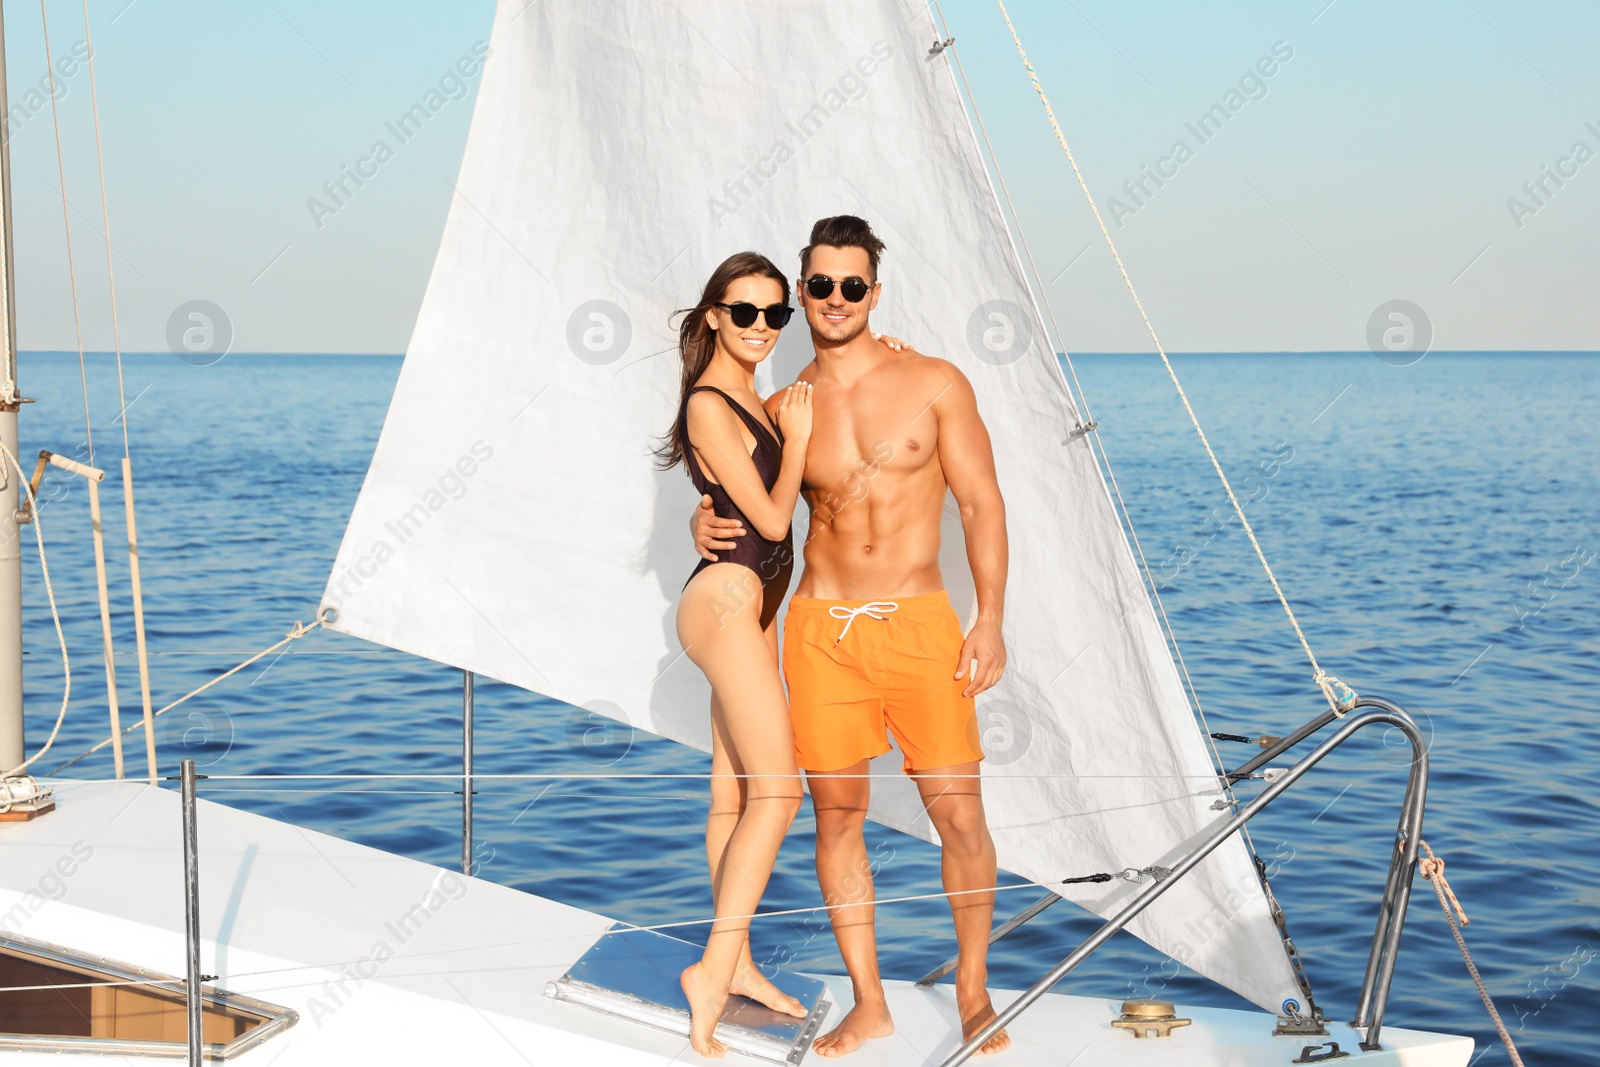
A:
<point x="66" y="222"/>
<point x="1341" y="698"/>
<point x="105" y="223"/>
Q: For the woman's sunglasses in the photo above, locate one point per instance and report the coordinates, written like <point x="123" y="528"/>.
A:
<point x="820" y="286"/>
<point x="744" y="314"/>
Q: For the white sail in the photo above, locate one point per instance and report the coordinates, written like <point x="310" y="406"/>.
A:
<point x="512" y="523"/>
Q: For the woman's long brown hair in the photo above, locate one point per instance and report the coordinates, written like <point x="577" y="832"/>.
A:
<point x="698" y="341"/>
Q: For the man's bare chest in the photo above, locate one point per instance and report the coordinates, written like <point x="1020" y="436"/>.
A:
<point x="862" y="434"/>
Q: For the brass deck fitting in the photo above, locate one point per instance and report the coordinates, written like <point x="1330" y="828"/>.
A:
<point x="1149" y="1018"/>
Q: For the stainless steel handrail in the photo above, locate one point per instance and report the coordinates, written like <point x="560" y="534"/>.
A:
<point x="466" y="773"/>
<point x="1238" y="774"/>
<point x="194" y="1046"/>
<point x="1397" y="887"/>
<point x="1397" y="890"/>
<point x="1278" y="748"/>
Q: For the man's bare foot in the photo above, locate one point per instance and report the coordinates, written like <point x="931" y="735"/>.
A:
<point x="861" y="1024"/>
<point x="977" y="1011"/>
<point x="706" y="1002"/>
<point x="750" y="982"/>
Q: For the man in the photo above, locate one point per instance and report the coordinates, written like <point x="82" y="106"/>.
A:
<point x="871" y="641"/>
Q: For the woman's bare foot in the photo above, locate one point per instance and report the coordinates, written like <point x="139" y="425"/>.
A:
<point x="977" y="1011"/>
<point x="750" y="982"/>
<point x="863" y="1022"/>
<point x="706" y="1002"/>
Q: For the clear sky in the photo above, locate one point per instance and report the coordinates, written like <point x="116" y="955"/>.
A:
<point x="1377" y="162"/>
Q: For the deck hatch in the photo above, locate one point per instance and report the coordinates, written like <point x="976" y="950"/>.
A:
<point x="144" y="1020"/>
<point x="633" y="974"/>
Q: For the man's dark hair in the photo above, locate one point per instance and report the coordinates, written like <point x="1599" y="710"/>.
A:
<point x="843" y="231"/>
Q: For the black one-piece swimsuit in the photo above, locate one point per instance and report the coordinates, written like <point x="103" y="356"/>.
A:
<point x="772" y="561"/>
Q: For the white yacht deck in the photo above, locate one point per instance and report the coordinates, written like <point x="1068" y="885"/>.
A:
<point x="388" y="960"/>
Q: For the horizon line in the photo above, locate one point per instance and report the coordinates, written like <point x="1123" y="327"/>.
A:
<point x="71" y="352"/>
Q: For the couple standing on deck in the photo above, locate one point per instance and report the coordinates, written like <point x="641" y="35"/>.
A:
<point x="873" y="435"/>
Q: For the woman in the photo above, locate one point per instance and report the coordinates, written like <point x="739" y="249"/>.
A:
<point x="726" y="616"/>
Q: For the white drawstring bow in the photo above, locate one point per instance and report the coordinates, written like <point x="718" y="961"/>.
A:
<point x="875" y="610"/>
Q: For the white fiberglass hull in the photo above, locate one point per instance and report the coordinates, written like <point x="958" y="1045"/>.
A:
<point x="388" y="960"/>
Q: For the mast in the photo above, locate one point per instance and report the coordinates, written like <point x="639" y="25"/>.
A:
<point x="11" y="746"/>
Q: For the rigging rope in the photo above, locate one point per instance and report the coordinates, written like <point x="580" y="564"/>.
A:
<point x="1340" y="697"/>
<point x="20" y="790"/>
<point x="105" y="221"/>
<point x="66" y="222"/>
<point x="50" y="592"/>
<point x="300" y="630"/>
<point x="1432" y="869"/>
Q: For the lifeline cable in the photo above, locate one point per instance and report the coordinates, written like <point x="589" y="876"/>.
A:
<point x="630" y="928"/>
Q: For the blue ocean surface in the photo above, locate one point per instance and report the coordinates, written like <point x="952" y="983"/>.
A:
<point x="1434" y="524"/>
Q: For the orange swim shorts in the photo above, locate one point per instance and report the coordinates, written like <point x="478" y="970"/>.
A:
<point x="859" y="668"/>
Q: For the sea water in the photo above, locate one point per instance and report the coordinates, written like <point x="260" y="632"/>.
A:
<point x="1434" y="526"/>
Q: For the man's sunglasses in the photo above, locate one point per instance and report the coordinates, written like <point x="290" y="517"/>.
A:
<point x="820" y="286"/>
<point x="744" y="314"/>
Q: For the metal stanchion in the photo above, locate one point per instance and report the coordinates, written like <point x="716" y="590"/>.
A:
<point x="191" y="908"/>
<point x="466" y="773"/>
